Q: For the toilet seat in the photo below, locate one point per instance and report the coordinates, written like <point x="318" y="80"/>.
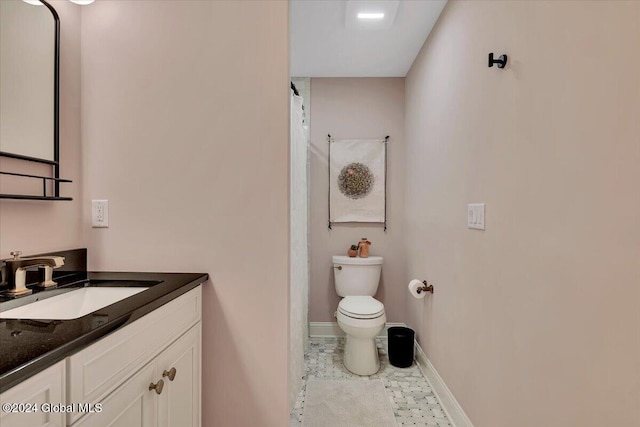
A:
<point x="361" y="307"/>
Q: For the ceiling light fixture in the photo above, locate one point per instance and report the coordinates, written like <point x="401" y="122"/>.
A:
<point x="373" y="16"/>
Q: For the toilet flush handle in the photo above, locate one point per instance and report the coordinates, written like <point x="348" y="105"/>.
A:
<point x="337" y="267"/>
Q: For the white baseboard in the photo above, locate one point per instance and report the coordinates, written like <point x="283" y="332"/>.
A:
<point x="325" y="329"/>
<point x="331" y="329"/>
<point x="447" y="400"/>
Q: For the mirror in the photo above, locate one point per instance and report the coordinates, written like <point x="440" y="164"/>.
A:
<point x="29" y="40"/>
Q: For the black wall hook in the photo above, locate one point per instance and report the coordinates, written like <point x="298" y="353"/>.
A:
<point x="501" y="61"/>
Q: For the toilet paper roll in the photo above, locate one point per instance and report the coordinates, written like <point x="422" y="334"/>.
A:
<point x="414" y="285"/>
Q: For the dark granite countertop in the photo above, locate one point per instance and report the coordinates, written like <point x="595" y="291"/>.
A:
<point x="29" y="346"/>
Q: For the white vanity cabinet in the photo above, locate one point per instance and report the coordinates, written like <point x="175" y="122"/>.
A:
<point x="144" y="375"/>
<point x="176" y="403"/>
<point x="34" y="394"/>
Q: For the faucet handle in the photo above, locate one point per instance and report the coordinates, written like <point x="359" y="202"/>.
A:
<point x="16" y="254"/>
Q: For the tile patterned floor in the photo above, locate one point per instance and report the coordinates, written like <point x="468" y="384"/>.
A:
<point x="413" y="401"/>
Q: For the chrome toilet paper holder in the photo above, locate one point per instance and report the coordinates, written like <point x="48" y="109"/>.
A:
<point x="425" y="288"/>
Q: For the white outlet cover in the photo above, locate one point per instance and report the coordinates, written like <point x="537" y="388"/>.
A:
<point x="100" y="213"/>
<point x="475" y="216"/>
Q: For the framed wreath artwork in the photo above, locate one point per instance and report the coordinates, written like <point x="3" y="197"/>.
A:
<point x="357" y="180"/>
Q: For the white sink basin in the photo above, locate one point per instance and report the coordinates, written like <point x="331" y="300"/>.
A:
<point x="72" y="304"/>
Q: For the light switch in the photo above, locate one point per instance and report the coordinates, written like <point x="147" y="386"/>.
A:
<point x="475" y="216"/>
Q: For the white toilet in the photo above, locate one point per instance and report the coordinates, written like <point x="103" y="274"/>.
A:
<point x="360" y="316"/>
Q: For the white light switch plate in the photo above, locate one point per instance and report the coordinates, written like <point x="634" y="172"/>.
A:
<point x="100" y="213"/>
<point x="475" y="216"/>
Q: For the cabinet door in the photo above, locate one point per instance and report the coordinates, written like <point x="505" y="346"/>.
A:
<point x="130" y="405"/>
<point x="179" y="403"/>
<point x="48" y="387"/>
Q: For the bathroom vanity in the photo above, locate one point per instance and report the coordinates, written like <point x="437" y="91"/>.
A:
<point x="135" y="362"/>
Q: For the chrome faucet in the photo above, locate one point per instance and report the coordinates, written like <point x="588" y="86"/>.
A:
<point x="15" y="273"/>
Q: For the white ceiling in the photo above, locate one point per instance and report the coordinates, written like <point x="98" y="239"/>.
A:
<point x="327" y="41"/>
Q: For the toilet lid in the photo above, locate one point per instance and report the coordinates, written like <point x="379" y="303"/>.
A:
<point x="361" y="307"/>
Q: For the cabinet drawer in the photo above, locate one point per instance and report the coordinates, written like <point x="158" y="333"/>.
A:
<point x="97" y="370"/>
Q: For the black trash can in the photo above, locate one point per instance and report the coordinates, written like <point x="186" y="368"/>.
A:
<point x="401" y="346"/>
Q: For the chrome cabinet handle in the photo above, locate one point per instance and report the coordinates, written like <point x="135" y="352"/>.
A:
<point x="157" y="386"/>
<point x="337" y="267"/>
<point x="171" y="373"/>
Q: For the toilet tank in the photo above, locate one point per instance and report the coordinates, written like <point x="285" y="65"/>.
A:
<point x="356" y="276"/>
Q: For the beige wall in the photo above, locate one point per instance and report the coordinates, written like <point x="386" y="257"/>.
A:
<point x="356" y="108"/>
<point x="535" y="321"/>
<point x="185" y="123"/>
<point x="43" y="226"/>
